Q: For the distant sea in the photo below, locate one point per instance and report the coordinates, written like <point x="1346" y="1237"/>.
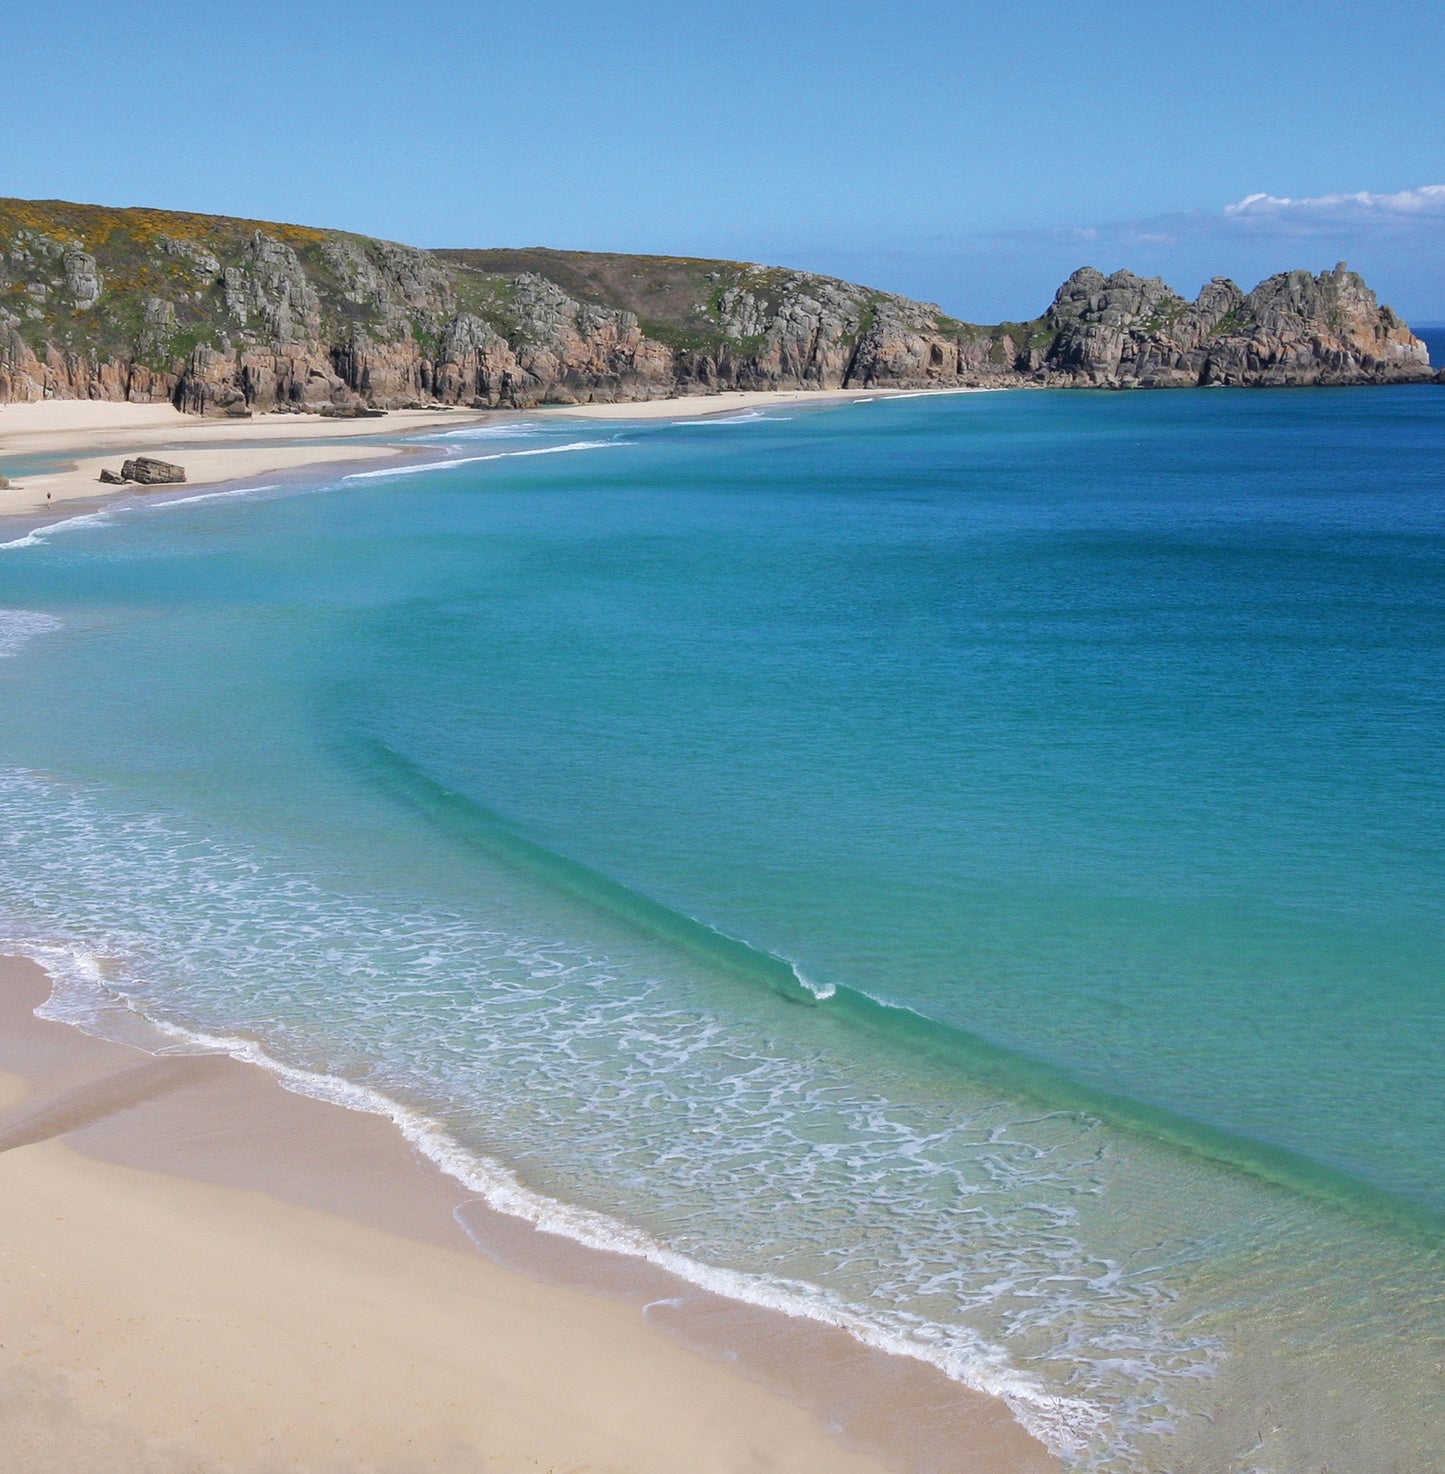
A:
<point x="1434" y="336"/>
<point x="966" y="867"/>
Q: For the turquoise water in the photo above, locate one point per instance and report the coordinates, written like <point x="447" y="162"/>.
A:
<point x="16" y="467"/>
<point x="965" y="867"/>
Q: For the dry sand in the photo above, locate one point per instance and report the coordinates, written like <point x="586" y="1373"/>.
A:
<point x="729" y="401"/>
<point x="99" y="434"/>
<point x="202" y="1271"/>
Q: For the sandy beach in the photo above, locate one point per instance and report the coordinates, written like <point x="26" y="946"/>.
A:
<point x="91" y="434"/>
<point x="87" y="435"/>
<point x="730" y="401"/>
<point x="202" y="1270"/>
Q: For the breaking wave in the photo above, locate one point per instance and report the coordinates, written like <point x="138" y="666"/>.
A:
<point x="499" y="455"/>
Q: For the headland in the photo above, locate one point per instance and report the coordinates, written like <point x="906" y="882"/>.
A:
<point x="223" y="316"/>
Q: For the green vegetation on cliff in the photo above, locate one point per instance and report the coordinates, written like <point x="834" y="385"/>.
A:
<point x="222" y="314"/>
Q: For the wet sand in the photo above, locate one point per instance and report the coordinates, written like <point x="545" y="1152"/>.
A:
<point x="82" y="436"/>
<point x="200" y="1269"/>
<point x="731" y="401"/>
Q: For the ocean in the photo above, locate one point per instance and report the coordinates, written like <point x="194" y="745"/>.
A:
<point x="965" y="868"/>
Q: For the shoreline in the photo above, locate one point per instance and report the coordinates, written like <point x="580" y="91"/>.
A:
<point x="216" y="453"/>
<point x="83" y="436"/>
<point x="1243" y="1334"/>
<point x="899" y="1414"/>
<point x="214" y="1156"/>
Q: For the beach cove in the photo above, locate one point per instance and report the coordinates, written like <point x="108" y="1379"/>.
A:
<point x="55" y="449"/>
<point x="642" y="811"/>
<point x="97" y="1384"/>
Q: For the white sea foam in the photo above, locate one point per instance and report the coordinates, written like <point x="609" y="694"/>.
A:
<point x="821" y="991"/>
<point x="751" y="1162"/>
<point x="507" y="430"/>
<point x="1064" y="1424"/>
<point x="212" y="496"/>
<point x="726" y="421"/>
<point x="38" y="535"/>
<point x="498" y="455"/>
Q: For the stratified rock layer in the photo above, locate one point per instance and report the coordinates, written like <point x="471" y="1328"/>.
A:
<point x="225" y="316"/>
<point x="147" y="471"/>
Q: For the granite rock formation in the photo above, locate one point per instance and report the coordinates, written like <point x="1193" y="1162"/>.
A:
<point x="223" y="316"/>
<point x="147" y="471"/>
<point x="1294" y="328"/>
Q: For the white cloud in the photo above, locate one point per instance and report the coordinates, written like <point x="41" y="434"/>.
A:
<point x="1426" y="202"/>
<point x="1395" y="240"/>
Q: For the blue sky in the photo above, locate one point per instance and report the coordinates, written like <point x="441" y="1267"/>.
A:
<point x="969" y="153"/>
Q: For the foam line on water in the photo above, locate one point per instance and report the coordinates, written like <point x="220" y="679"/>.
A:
<point x="509" y="430"/>
<point x="1065" y="1425"/>
<point x="496" y="455"/>
<point x="38" y="535"/>
<point x="725" y="421"/>
<point x="213" y="496"/>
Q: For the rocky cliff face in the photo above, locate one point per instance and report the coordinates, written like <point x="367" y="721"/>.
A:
<point x="226" y="316"/>
<point x="1127" y="331"/>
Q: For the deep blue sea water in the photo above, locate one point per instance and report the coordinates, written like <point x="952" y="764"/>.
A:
<point x="967" y="867"/>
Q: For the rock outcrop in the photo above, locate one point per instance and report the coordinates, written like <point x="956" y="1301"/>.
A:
<point x="144" y="471"/>
<point x="230" y="317"/>
<point x="147" y="471"/>
<point x="1129" y="331"/>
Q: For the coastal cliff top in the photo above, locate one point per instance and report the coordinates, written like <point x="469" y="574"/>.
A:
<point x="222" y="314"/>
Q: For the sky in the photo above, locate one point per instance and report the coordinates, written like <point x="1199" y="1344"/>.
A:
<point x="971" y="154"/>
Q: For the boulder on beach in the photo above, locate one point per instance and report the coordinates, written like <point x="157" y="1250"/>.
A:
<point x="147" y="471"/>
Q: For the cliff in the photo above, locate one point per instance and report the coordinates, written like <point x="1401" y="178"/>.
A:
<point x="1293" y="328"/>
<point x="224" y="316"/>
